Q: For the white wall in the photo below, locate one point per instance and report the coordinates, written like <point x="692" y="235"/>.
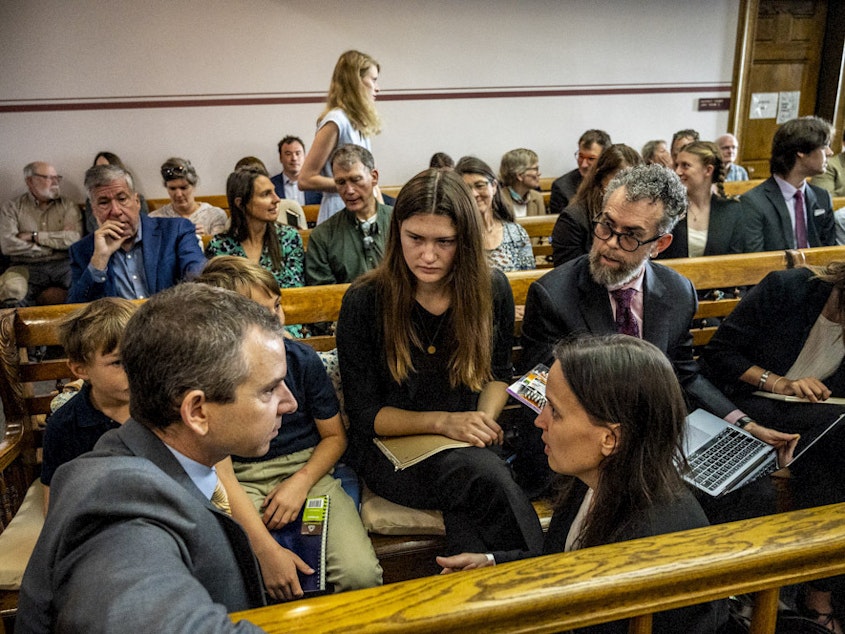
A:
<point x="88" y="53"/>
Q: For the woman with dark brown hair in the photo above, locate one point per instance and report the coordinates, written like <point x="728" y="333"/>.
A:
<point x="614" y="421"/>
<point x="255" y="235"/>
<point x="572" y="234"/>
<point x="424" y="344"/>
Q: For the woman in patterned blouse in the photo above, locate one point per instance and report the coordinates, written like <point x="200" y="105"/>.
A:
<point x="254" y="233"/>
<point x="506" y="243"/>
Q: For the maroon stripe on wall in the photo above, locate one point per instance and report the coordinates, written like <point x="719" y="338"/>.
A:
<point x="200" y="101"/>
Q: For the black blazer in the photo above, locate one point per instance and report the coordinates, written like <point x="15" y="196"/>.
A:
<point x="566" y="301"/>
<point x="769" y="327"/>
<point x="681" y="514"/>
<point x="767" y="223"/>
<point x="724" y="231"/>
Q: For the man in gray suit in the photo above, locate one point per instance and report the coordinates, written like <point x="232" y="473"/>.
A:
<point x="138" y="538"/>
<point x="616" y="288"/>
<point x="785" y="211"/>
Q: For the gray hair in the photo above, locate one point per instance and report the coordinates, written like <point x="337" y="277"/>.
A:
<point x="655" y="183"/>
<point x="184" y="165"/>
<point x="514" y="163"/>
<point x="188" y="337"/>
<point x="29" y="169"/>
<point x="349" y="154"/>
<point x="102" y="175"/>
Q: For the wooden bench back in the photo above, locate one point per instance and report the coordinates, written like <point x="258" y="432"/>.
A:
<point x="37" y="326"/>
<point x="217" y="200"/>
<point x="555" y="593"/>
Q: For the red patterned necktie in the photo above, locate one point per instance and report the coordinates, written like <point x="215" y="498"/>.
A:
<point x="626" y="323"/>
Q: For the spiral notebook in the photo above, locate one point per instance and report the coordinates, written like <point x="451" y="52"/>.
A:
<point x="306" y="536"/>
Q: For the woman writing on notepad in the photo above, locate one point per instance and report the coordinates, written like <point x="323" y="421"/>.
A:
<point x="424" y="344"/>
<point x="614" y="420"/>
<point x="785" y="338"/>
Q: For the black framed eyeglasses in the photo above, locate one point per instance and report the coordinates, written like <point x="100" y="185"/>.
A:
<point x="627" y="242"/>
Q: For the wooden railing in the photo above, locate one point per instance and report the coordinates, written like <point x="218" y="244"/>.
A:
<point x="626" y="580"/>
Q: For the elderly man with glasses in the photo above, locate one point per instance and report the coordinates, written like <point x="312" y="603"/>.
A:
<point x="36" y="230"/>
<point x="616" y="288"/>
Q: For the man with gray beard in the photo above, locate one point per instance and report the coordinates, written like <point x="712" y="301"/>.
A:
<point x="36" y="230"/>
<point x="617" y="289"/>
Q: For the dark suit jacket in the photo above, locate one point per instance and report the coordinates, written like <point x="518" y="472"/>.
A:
<point x="767" y="223"/>
<point x="681" y="514"/>
<point x="769" y="328"/>
<point x="566" y="301"/>
<point x="171" y="254"/>
<point x="563" y="190"/>
<point x="130" y="544"/>
<point x="724" y="231"/>
<point x="311" y="197"/>
<point x="572" y="234"/>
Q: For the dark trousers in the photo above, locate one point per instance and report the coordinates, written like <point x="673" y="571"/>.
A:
<point x="483" y="508"/>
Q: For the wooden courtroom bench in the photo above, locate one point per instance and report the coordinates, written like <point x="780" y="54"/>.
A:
<point x="217" y="200"/>
<point x="553" y="593"/>
<point x="402" y="557"/>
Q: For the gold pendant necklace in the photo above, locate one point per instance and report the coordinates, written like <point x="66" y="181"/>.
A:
<point x="430" y="348"/>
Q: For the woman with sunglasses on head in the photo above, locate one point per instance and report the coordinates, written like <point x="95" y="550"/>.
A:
<point x="350" y="116"/>
<point x="572" y="234"/>
<point x="424" y="345"/>
<point x="180" y="179"/>
<point x="614" y="421"/>
<point x="254" y="233"/>
<point x="506" y="243"/>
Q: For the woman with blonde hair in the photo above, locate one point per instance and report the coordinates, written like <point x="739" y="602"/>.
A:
<point x="350" y="116"/>
<point x="519" y="174"/>
<point x="713" y="224"/>
<point x="424" y="343"/>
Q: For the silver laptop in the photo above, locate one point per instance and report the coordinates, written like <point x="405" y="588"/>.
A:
<point x="723" y="457"/>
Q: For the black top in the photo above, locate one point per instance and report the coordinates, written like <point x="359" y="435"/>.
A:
<point x="367" y="383"/>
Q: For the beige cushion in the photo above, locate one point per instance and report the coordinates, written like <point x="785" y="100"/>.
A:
<point x="387" y="518"/>
<point x="18" y="540"/>
<point x="379" y="515"/>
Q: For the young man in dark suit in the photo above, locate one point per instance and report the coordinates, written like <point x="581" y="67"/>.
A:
<point x="785" y="211"/>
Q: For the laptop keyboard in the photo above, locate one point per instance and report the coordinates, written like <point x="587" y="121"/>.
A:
<point x="718" y="461"/>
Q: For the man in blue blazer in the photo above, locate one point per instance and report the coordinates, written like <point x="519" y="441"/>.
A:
<point x="785" y="211"/>
<point x="291" y="156"/>
<point x="138" y="538"/>
<point x="129" y="255"/>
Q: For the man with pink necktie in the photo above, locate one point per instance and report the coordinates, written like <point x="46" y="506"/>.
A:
<point x="785" y="211"/>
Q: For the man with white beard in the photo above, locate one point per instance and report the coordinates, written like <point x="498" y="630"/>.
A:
<point x="36" y="230"/>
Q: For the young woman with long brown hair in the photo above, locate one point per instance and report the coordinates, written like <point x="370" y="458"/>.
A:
<point x="424" y="344"/>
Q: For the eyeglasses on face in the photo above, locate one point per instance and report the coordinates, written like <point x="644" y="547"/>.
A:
<point x="49" y="177"/>
<point x="580" y="157"/>
<point x="627" y="241"/>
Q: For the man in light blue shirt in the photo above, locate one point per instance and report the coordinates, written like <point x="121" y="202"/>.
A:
<point x="129" y="255"/>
